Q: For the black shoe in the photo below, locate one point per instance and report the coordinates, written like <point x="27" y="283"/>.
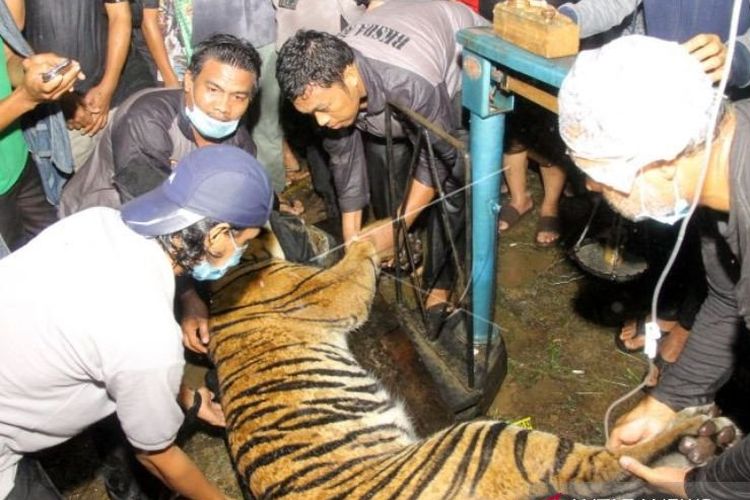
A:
<point x="120" y="483"/>
<point x="435" y="319"/>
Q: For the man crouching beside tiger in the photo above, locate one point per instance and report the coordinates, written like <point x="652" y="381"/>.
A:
<point x="88" y="327"/>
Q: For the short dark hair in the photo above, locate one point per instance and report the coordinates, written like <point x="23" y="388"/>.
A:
<point x="227" y="49"/>
<point x="187" y="246"/>
<point x="311" y="58"/>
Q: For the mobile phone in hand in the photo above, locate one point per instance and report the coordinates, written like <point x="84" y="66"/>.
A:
<point x="55" y="70"/>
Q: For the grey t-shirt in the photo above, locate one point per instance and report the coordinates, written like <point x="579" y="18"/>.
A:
<point x="249" y="19"/>
<point x="330" y="16"/>
<point x="88" y="330"/>
<point x="406" y="52"/>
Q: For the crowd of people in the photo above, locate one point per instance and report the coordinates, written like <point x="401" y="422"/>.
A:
<point x="145" y="143"/>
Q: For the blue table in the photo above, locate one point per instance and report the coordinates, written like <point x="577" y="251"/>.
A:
<point x="486" y="58"/>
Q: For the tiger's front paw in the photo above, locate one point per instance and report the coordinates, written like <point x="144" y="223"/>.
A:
<point x="364" y="249"/>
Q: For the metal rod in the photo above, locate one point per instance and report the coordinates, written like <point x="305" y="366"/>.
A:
<point x="390" y="197"/>
<point x="425" y="123"/>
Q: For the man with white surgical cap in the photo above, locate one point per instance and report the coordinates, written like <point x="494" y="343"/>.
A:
<point x="634" y="115"/>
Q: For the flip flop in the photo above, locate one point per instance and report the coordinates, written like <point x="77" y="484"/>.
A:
<point x="191" y="414"/>
<point x="510" y="216"/>
<point x="403" y="258"/>
<point x="547" y="224"/>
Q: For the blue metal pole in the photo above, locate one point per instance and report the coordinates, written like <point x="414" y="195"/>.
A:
<point x="486" y="148"/>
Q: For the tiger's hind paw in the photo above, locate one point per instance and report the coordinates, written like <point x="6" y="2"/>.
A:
<point x="714" y="436"/>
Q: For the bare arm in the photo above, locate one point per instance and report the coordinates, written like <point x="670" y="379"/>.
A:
<point x="175" y="469"/>
<point x="351" y="223"/>
<point x="194" y="321"/>
<point x="99" y="97"/>
<point x="17" y="9"/>
<point x="155" y="42"/>
<point x="32" y="90"/>
<point x="381" y="232"/>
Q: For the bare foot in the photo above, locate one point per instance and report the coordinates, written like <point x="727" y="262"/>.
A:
<point x="633" y="339"/>
<point x="436" y="296"/>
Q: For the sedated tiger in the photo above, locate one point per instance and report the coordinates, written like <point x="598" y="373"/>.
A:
<point x="305" y="420"/>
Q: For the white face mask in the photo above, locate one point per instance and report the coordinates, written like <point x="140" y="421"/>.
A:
<point x="679" y="210"/>
<point x="208" y="126"/>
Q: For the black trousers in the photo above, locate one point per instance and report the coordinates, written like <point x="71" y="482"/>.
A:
<point x="24" y="209"/>
<point x="439" y="271"/>
<point x="32" y="483"/>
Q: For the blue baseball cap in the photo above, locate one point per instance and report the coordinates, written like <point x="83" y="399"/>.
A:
<point x="220" y="182"/>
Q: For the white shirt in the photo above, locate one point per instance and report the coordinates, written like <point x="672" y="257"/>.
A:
<point x="86" y="329"/>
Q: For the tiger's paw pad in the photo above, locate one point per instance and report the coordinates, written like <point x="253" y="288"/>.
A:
<point x="714" y="436"/>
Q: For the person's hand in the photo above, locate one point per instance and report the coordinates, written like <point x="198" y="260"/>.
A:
<point x="78" y="116"/>
<point x="37" y="90"/>
<point x="172" y="82"/>
<point x="710" y="52"/>
<point x="97" y="101"/>
<point x="665" y="479"/>
<point x="194" y="322"/>
<point x="210" y="412"/>
<point x="380" y="234"/>
<point x="643" y="422"/>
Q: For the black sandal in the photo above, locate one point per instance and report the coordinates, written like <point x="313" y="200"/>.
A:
<point x="435" y="317"/>
<point x="191" y="414"/>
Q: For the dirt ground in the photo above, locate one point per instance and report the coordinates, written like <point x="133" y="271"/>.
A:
<point x="558" y="325"/>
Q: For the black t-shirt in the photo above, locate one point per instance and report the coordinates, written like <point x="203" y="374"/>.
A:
<point x="78" y="29"/>
<point x="71" y="28"/>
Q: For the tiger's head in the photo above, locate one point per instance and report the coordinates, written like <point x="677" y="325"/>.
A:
<point x="273" y="292"/>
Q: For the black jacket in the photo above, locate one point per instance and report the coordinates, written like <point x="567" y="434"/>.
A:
<point x="148" y="134"/>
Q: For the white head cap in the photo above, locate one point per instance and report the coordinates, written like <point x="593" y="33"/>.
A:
<point x="632" y="102"/>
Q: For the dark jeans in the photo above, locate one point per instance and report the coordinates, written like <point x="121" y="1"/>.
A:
<point x="439" y="269"/>
<point x="32" y="483"/>
<point x="377" y="173"/>
<point x="24" y="210"/>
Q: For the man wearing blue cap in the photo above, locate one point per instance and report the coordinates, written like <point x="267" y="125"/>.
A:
<point x="97" y="335"/>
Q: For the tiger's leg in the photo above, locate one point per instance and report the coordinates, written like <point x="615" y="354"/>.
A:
<point x="597" y="470"/>
<point x="528" y="464"/>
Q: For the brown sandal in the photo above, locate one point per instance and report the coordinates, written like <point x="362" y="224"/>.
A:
<point x="547" y="224"/>
<point x="510" y="215"/>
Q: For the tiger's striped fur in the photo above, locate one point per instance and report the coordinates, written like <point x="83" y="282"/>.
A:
<point x="305" y="420"/>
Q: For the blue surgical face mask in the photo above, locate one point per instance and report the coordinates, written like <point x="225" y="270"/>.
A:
<point x="205" y="271"/>
<point x="209" y="127"/>
<point x="679" y="211"/>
